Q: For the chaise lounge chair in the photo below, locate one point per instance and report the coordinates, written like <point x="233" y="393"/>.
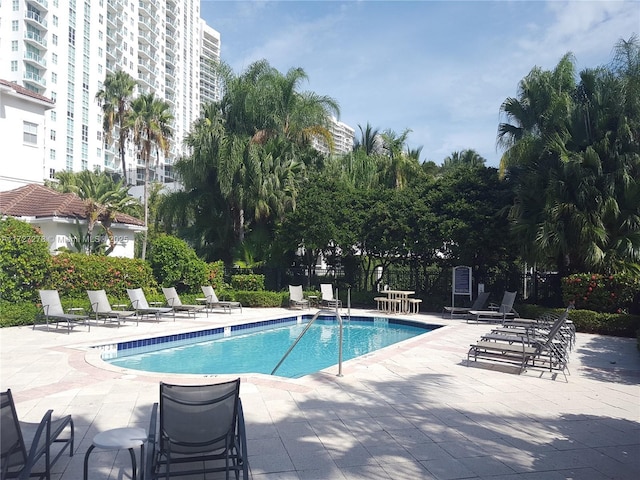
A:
<point x="52" y="312"/>
<point x="523" y="348"/>
<point x="478" y="304"/>
<point x="211" y="300"/>
<point x="173" y="300"/>
<point x="101" y="307"/>
<point x="202" y="430"/>
<point x="296" y="297"/>
<point x="497" y="313"/>
<point x="24" y="445"/>
<point x="328" y="299"/>
<point x="141" y="306"/>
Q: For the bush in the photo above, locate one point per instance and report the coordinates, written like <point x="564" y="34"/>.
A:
<point x="215" y="274"/>
<point x="176" y="264"/>
<point x="251" y="282"/>
<point x="601" y="293"/>
<point x="21" y="313"/>
<point x="74" y="273"/>
<point x="261" y="299"/>
<point x="619" y="325"/>
<point x="25" y="259"/>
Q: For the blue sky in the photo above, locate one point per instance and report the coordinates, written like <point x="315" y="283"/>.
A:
<point x="439" y="68"/>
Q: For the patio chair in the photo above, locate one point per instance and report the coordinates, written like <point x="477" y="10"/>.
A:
<point x="52" y="312"/>
<point x="296" y="298"/>
<point x="27" y="446"/>
<point x="524" y="349"/>
<point x="201" y="431"/>
<point x="328" y="299"/>
<point x="478" y="304"/>
<point x="500" y="313"/>
<point x="211" y="300"/>
<point x="173" y="300"/>
<point x="141" y="306"/>
<point x="101" y="308"/>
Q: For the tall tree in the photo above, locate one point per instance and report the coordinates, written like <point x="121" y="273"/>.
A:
<point x="103" y="198"/>
<point x="115" y="100"/>
<point x="150" y="120"/>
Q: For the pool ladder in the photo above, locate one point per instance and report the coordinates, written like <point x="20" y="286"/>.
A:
<point x="307" y="327"/>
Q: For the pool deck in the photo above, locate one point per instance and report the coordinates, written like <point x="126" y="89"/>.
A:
<point x="414" y="410"/>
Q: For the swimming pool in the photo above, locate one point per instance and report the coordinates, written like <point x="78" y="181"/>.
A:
<point x="258" y="347"/>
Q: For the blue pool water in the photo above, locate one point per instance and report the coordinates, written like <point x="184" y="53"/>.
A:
<point x="258" y="350"/>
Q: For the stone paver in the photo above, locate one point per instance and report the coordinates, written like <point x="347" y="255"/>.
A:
<point x="410" y="411"/>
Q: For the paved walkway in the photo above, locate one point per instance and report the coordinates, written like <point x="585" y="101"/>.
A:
<point x="410" y="411"/>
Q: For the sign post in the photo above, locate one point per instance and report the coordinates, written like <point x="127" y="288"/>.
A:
<point x="461" y="283"/>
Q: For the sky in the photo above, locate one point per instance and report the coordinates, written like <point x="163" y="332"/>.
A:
<point x="439" y="68"/>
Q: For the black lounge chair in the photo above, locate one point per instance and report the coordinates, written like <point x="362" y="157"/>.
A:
<point x="173" y="300"/>
<point x="141" y="306"/>
<point x="101" y="308"/>
<point x="26" y="446"/>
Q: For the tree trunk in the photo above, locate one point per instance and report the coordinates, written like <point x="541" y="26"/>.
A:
<point x="146" y="208"/>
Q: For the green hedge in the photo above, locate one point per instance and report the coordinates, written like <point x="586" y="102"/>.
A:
<point x="601" y="293"/>
<point x="250" y="282"/>
<point x="176" y="264"/>
<point x="261" y="299"/>
<point x="25" y="260"/>
<point x="72" y="274"/>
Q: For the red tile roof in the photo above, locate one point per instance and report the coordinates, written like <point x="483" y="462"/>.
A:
<point x="40" y="202"/>
<point x="25" y="91"/>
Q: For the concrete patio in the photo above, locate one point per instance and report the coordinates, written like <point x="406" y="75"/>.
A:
<point x="414" y="410"/>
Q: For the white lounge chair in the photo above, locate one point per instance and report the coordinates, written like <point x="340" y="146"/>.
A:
<point x="52" y="312"/>
<point x="211" y="300"/>
<point x="101" y="308"/>
<point x="141" y="306"/>
<point x="173" y="300"/>
<point x="296" y="297"/>
<point x="328" y="300"/>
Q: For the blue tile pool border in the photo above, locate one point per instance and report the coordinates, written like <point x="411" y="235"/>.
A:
<point x="177" y="339"/>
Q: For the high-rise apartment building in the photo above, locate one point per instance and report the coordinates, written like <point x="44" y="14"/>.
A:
<point x="343" y="138"/>
<point x="63" y="49"/>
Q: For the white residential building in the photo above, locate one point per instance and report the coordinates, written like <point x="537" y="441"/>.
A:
<point x="343" y="138"/>
<point x="63" y="49"/>
<point x="22" y="134"/>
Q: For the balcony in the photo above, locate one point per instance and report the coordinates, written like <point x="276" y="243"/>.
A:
<point x="39" y="4"/>
<point x="35" y="59"/>
<point x="35" y="79"/>
<point x="170" y="73"/>
<point x="35" y="39"/>
<point x="35" y="19"/>
<point x="170" y="61"/>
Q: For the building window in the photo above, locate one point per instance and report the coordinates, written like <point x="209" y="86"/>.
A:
<point x="52" y="135"/>
<point x="99" y="51"/>
<point x="52" y="156"/>
<point x="54" y="116"/>
<point x="85" y="133"/>
<point x="16" y="5"/>
<point x="52" y="172"/>
<point x="55" y="20"/>
<point x="72" y="36"/>
<point x="54" y="58"/>
<point x="14" y="45"/>
<point x="54" y="39"/>
<point x="54" y="96"/>
<point x="54" y="77"/>
<point x="14" y="65"/>
<point x="15" y="24"/>
<point x="30" y="133"/>
<point x="100" y="19"/>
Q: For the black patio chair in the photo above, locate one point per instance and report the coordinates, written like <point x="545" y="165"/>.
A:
<point x="26" y="446"/>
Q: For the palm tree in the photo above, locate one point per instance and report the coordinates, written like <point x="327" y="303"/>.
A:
<point x="369" y="140"/>
<point x="468" y="158"/>
<point x="115" y="99"/>
<point x="103" y="198"/>
<point x="149" y="121"/>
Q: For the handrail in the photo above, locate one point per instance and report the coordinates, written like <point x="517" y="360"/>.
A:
<point x="307" y="327"/>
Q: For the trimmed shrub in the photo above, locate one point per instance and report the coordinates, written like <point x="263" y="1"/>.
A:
<point x="261" y="299"/>
<point x="176" y="264"/>
<point x="74" y="273"/>
<point x="25" y="259"/>
<point x="21" y="313"/>
<point x="619" y="325"/>
<point x="250" y="282"/>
